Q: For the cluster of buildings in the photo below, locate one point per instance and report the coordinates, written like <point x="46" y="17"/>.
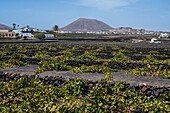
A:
<point x="120" y="31"/>
<point x="82" y="32"/>
<point x="23" y="32"/>
<point x="129" y="30"/>
<point x="29" y="32"/>
<point x="136" y="32"/>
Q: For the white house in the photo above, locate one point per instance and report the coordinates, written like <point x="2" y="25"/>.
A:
<point x="164" y="35"/>
<point x="26" y="35"/>
<point x="42" y="31"/>
<point x="17" y="31"/>
<point x="29" y="29"/>
<point x="65" y="32"/>
<point x="137" y="41"/>
<point x="25" y="29"/>
<point x="22" y="34"/>
<point x="49" y="35"/>
<point x="154" y="40"/>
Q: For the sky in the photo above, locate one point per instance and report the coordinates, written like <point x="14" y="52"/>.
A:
<point x="44" y="14"/>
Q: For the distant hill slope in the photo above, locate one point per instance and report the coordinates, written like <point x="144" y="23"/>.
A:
<point x="83" y="24"/>
<point x="4" y="27"/>
<point x="131" y="30"/>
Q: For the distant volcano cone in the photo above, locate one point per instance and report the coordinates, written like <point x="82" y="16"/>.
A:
<point x="4" y="27"/>
<point x="83" y="24"/>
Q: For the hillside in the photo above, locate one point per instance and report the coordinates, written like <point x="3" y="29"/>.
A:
<point x="83" y="24"/>
<point x="4" y="27"/>
<point x="129" y="29"/>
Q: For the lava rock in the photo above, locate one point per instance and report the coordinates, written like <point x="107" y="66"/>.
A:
<point x="31" y="76"/>
<point x="112" y="83"/>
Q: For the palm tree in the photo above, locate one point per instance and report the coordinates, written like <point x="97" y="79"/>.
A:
<point x="14" y="25"/>
<point x="55" y="28"/>
<point x="27" y="25"/>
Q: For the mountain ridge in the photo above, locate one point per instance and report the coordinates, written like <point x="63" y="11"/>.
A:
<point x="94" y="25"/>
<point x="83" y="24"/>
<point x="4" y="27"/>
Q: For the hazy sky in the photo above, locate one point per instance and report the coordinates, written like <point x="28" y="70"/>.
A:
<point x="44" y="14"/>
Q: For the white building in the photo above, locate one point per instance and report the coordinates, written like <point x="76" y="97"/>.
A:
<point x="23" y="34"/>
<point x="42" y="31"/>
<point x="154" y="40"/>
<point x="49" y="35"/>
<point x="29" y="29"/>
<point x="164" y="35"/>
<point x="17" y="31"/>
<point x="65" y="32"/>
<point x="26" y="35"/>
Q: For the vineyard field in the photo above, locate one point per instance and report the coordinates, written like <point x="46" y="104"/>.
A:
<point x="74" y="92"/>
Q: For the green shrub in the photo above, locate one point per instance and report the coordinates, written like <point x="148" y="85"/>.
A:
<point x="53" y="66"/>
<point x="12" y="63"/>
<point x="31" y="95"/>
<point x="76" y="87"/>
<point x="18" y="37"/>
<point x="17" y="34"/>
<point x="39" y="35"/>
<point x="18" y="55"/>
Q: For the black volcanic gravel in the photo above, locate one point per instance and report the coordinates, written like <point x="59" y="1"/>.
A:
<point x="117" y="76"/>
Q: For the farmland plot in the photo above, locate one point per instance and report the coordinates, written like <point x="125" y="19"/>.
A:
<point x="34" y="93"/>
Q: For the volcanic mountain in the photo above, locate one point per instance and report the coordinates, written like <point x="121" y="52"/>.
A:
<point x="83" y="24"/>
<point x="4" y="27"/>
